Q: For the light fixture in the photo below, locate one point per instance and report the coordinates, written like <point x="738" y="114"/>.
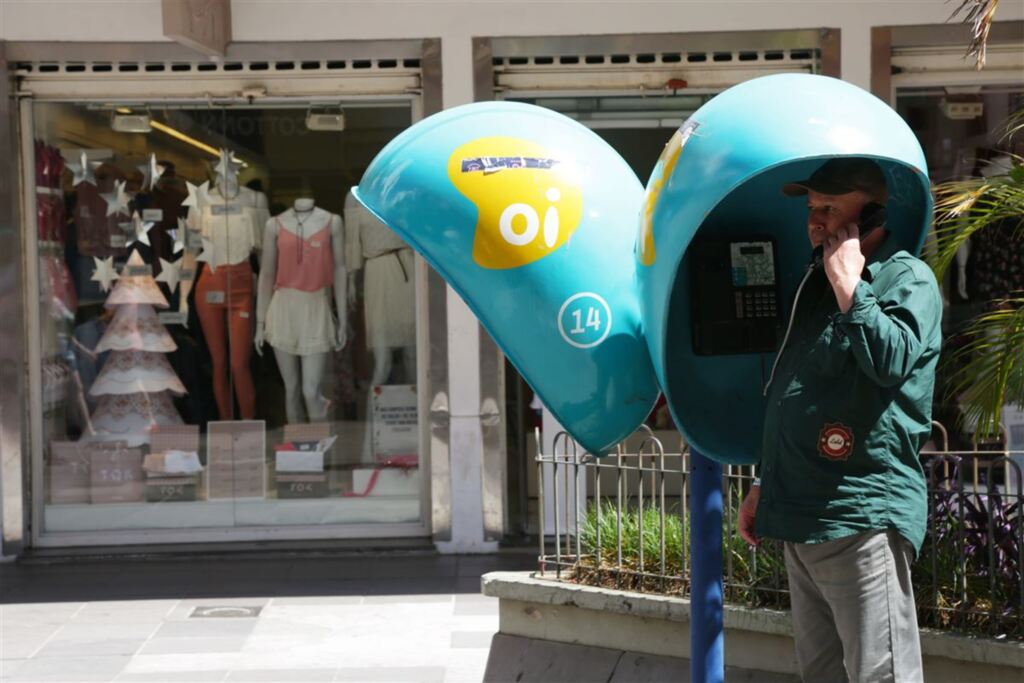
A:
<point x="962" y="108"/>
<point x="325" y="120"/>
<point x="131" y="123"/>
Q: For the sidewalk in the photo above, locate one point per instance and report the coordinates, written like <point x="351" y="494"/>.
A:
<point x="391" y="617"/>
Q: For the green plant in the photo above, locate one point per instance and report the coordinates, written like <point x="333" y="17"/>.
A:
<point x="755" y="577"/>
<point x="967" y="576"/>
<point x="986" y="368"/>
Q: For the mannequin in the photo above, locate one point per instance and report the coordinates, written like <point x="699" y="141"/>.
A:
<point x="389" y="295"/>
<point x="229" y="219"/>
<point x="303" y="264"/>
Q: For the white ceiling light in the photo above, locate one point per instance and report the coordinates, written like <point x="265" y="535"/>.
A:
<point x="325" y="120"/>
<point x="131" y="123"/>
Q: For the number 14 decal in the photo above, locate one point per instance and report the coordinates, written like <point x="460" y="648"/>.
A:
<point x="593" y="320"/>
<point x="584" y="320"/>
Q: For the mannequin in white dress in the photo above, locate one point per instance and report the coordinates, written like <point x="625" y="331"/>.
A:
<point x="389" y="296"/>
<point x="303" y="266"/>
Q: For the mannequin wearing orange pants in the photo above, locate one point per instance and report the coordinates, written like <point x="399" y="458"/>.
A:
<point x="224" y="304"/>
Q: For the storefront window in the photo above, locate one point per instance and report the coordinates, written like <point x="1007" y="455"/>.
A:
<point x="962" y="134"/>
<point x="228" y="338"/>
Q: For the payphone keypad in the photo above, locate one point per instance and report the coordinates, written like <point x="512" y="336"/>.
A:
<point x="757" y="303"/>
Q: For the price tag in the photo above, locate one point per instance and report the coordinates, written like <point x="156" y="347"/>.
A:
<point x="225" y="210"/>
<point x="186" y="274"/>
<point x="195" y="240"/>
<point x="117" y="241"/>
<point x="171" y="318"/>
<point x="155" y="215"/>
<point x="215" y="297"/>
<point x="138" y="271"/>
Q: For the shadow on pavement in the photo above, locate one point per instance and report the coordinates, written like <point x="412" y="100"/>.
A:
<point x="65" y="579"/>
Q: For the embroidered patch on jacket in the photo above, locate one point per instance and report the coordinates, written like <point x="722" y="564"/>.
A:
<point x="835" y="441"/>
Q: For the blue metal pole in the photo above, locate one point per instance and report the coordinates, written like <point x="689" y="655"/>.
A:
<point x="707" y="659"/>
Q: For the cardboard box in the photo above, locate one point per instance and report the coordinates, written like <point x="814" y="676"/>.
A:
<point x="302" y="456"/>
<point x="171" y="489"/>
<point x="115" y="473"/>
<point x="236" y="459"/>
<point x="69" y="473"/>
<point x="299" y="461"/>
<point x="301" y="485"/>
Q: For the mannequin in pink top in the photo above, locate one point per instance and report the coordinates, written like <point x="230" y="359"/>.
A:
<point x="303" y="270"/>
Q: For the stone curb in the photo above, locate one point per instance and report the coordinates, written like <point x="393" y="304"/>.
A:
<point x="527" y="587"/>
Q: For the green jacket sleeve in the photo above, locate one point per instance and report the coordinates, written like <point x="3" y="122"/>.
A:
<point x="890" y="332"/>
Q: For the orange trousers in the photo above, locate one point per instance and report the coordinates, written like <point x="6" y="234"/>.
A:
<point x="224" y="304"/>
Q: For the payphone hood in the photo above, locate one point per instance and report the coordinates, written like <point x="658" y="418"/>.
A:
<point x="722" y="176"/>
<point x="530" y="217"/>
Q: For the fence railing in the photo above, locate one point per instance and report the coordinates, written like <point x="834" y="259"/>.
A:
<point x="622" y="522"/>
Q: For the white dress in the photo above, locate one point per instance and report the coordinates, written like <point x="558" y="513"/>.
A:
<point x="389" y="287"/>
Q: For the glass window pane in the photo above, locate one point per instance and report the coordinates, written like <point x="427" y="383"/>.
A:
<point x="173" y="242"/>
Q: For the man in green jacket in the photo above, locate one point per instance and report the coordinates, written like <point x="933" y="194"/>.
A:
<point x="849" y="408"/>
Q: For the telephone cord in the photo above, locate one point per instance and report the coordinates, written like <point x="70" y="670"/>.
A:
<point x="789" y="328"/>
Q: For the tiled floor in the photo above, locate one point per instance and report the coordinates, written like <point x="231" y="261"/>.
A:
<point x="394" y="617"/>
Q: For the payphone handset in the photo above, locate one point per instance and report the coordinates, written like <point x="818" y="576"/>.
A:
<point x="736" y="305"/>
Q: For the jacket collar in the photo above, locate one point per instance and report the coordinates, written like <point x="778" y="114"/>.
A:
<point x="883" y="253"/>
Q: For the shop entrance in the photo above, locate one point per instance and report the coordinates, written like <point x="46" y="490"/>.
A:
<point x="226" y="342"/>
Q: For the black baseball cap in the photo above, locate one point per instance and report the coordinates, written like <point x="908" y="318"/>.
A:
<point x="842" y="176"/>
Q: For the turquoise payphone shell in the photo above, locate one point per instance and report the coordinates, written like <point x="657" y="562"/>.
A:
<point x="531" y="218"/>
<point x="721" y="176"/>
<point x="584" y="279"/>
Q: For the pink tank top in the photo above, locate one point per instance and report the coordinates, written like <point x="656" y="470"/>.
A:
<point x="304" y="264"/>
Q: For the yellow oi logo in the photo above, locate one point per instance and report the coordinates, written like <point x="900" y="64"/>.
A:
<point x="527" y="205"/>
<point x="662" y="172"/>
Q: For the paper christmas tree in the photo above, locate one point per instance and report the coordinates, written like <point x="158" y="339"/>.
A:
<point x="135" y="386"/>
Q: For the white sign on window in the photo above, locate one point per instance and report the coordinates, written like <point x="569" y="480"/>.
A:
<point x="395" y="421"/>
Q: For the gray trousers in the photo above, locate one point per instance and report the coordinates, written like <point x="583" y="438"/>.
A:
<point x="853" y="609"/>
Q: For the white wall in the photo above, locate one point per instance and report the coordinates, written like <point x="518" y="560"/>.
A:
<point x="457" y="22"/>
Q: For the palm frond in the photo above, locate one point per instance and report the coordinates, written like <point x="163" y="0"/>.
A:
<point x="963" y="207"/>
<point x="1014" y="125"/>
<point x="988" y="371"/>
<point x="978" y="14"/>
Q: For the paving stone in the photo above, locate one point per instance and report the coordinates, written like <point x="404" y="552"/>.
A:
<point x="184" y="662"/>
<point x="88" y="647"/>
<point x="467" y="609"/>
<point x="134" y="611"/>
<point x="173" y="677"/>
<point x="281" y="675"/>
<point x="198" y="628"/>
<point x="391" y="674"/>
<point x="188" y="645"/>
<point x="74" y="630"/>
<point x="24" y="645"/>
<point x="317" y="601"/>
<point x="8" y="667"/>
<point x="472" y="639"/>
<point x="406" y="599"/>
<point x="70" y="669"/>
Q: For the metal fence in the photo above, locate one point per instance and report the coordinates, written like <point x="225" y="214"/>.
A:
<point x="622" y="522"/>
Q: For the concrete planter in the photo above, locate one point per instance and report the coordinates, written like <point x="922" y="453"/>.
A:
<point x="620" y="636"/>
